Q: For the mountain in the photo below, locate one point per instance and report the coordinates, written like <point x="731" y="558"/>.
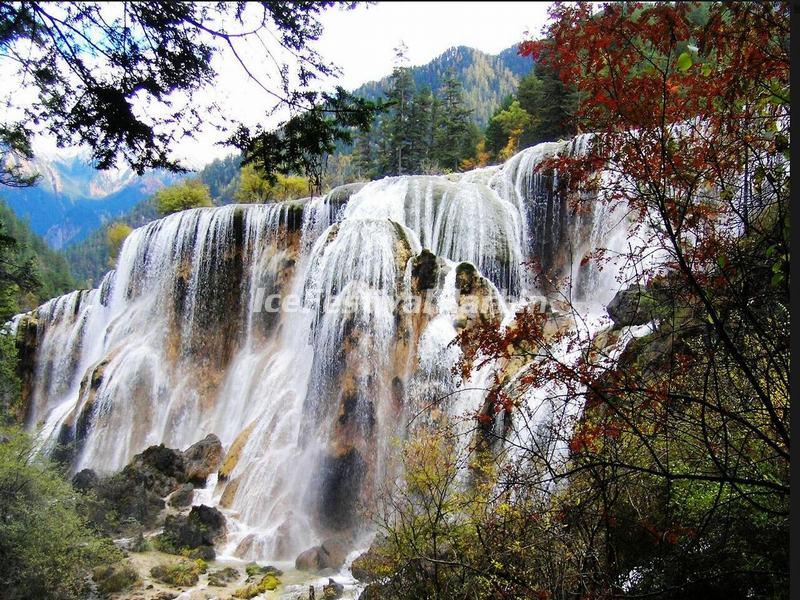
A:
<point x="72" y="198"/>
<point x="88" y="258"/>
<point x="487" y="78"/>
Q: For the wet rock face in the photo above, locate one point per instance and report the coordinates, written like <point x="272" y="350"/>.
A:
<point x="202" y="459"/>
<point x="342" y="477"/>
<point x="425" y="271"/>
<point x="26" y="343"/>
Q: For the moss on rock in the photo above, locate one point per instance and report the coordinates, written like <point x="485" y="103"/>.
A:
<point x="267" y="583"/>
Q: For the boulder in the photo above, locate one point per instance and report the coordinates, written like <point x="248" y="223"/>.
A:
<point x="255" y="570"/>
<point x="181" y="497"/>
<point x="331" y="554"/>
<point x="166" y="461"/>
<point x="267" y="583"/>
<point x="632" y="306"/>
<point x="223" y="577"/>
<point x="308" y="560"/>
<point x="203" y="526"/>
<point x="332" y="590"/>
<point x="202" y="459"/>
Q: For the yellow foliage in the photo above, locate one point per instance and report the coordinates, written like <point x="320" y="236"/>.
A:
<point x="188" y="194"/>
<point x="116" y="234"/>
<point x="256" y="189"/>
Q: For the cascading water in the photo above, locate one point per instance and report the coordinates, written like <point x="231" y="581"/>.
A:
<point x="285" y="330"/>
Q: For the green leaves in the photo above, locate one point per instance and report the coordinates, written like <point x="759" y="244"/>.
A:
<point x="299" y="145"/>
<point x="110" y="79"/>
<point x="182" y="196"/>
<point x="684" y="61"/>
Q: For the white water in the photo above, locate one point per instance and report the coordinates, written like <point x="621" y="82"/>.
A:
<point x="176" y="344"/>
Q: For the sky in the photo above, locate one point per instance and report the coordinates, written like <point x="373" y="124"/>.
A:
<point x="361" y="43"/>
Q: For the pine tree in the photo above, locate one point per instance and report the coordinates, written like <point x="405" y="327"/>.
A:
<point x="551" y="104"/>
<point x="364" y="165"/>
<point x="456" y="135"/>
<point x="420" y="131"/>
<point x="399" y="119"/>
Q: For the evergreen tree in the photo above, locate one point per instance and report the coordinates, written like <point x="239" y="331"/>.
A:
<point x="420" y="131"/>
<point x="512" y="122"/>
<point x="364" y="165"/>
<point x="395" y="160"/>
<point x="551" y="104"/>
<point x="455" y="135"/>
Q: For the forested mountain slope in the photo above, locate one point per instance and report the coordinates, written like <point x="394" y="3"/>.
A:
<point x="486" y="78"/>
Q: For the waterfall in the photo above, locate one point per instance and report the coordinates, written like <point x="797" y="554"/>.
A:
<point x="287" y="329"/>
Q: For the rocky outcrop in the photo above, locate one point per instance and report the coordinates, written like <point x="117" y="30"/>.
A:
<point x="196" y="532"/>
<point x="632" y="306"/>
<point x="134" y="498"/>
<point x="158" y="468"/>
<point x="331" y="554"/>
<point x="181" y="497"/>
<point x="332" y="590"/>
<point x="202" y="459"/>
<point x="425" y="270"/>
<point x="477" y="299"/>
